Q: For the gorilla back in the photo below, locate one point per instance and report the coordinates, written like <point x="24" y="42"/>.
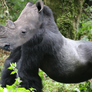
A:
<point x="64" y="60"/>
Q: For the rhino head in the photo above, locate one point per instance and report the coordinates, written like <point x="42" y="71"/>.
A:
<point x="23" y="29"/>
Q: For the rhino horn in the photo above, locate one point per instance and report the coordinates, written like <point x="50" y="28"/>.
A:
<point x="10" y="24"/>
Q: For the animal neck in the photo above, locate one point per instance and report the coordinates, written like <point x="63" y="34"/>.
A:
<point x="36" y="40"/>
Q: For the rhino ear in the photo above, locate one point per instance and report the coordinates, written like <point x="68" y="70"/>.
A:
<point x="39" y="5"/>
<point x="10" y="24"/>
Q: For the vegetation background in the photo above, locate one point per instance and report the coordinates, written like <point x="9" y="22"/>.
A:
<point x="74" y="20"/>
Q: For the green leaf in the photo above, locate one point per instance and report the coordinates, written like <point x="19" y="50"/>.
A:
<point x="13" y="72"/>
<point x="32" y="89"/>
<point x="13" y="64"/>
<point x="1" y="89"/>
<point x="10" y="68"/>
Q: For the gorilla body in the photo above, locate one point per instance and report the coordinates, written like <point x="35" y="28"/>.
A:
<point x="62" y="59"/>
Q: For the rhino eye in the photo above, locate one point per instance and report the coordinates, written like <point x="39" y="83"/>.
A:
<point x="23" y="32"/>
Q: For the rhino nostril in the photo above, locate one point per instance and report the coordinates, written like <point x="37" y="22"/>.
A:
<point x="6" y="47"/>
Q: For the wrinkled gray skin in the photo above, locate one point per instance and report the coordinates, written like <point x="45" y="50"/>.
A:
<point x="64" y="60"/>
<point x="17" y="33"/>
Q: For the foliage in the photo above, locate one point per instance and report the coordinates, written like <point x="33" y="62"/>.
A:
<point x="86" y="14"/>
<point x="11" y="9"/>
<point x="16" y="85"/>
<point x="87" y="87"/>
<point x="65" y="25"/>
<point x="85" y="24"/>
<point x="4" y="13"/>
<point x="16" y="6"/>
<point x="68" y="21"/>
<point x="85" y="31"/>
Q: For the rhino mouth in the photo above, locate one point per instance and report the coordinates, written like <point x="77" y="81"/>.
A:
<point x="7" y="47"/>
